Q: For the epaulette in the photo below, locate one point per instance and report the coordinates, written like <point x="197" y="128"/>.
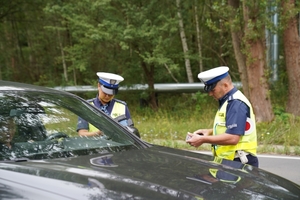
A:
<point x="90" y="100"/>
<point x="122" y="102"/>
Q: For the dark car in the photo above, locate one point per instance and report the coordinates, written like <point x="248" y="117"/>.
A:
<point x="43" y="157"/>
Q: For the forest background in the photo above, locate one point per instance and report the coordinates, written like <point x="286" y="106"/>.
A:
<point x="65" y="42"/>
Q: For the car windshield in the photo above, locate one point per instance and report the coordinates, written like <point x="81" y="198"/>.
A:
<point x="43" y="125"/>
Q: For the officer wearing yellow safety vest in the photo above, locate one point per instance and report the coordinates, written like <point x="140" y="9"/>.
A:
<point x="108" y="86"/>
<point x="233" y="135"/>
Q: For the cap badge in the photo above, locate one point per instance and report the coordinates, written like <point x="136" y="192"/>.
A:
<point x="112" y="81"/>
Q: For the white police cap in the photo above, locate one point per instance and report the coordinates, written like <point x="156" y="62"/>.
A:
<point x="211" y="77"/>
<point x="109" y="82"/>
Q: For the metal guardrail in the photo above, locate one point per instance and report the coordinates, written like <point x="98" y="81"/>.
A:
<point x="158" y="87"/>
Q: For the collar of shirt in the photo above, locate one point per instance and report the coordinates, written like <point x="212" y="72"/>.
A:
<point x="226" y="96"/>
<point x="98" y="103"/>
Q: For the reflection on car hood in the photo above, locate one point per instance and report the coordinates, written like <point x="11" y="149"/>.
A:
<point x="153" y="173"/>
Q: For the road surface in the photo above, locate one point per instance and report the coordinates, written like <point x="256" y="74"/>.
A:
<point x="285" y="166"/>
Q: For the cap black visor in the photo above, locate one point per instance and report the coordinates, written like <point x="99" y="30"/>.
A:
<point x="208" y="88"/>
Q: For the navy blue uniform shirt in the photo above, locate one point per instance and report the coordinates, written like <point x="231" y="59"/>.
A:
<point x="236" y="113"/>
<point x="83" y="124"/>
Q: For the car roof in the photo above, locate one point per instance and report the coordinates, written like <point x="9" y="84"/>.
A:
<point x="17" y="86"/>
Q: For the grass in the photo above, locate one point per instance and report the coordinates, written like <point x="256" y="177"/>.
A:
<point x="180" y="113"/>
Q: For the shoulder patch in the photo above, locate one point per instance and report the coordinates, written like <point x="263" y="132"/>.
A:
<point x="90" y="100"/>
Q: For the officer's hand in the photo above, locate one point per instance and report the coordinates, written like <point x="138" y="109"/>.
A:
<point x="195" y="139"/>
<point x="204" y="132"/>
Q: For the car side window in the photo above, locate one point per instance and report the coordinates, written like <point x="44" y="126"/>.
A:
<point x="7" y="131"/>
<point x="45" y="127"/>
<point x="29" y="128"/>
<point x="59" y="120"/>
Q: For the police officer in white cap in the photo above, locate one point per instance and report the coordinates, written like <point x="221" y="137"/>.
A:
<point x="233" y="135"/>
<point x="108" y="85"/>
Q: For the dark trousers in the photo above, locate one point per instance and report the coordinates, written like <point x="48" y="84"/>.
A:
<point x="252" y="160"/>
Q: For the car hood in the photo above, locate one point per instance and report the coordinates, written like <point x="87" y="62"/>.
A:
<point x="152" y="173"/>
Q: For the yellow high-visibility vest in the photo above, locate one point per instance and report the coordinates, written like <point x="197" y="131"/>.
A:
<point x="118" y="110"/>
<point x="247" y="142"/>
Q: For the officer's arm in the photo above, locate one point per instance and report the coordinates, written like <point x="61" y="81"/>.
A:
<point x="84" y="132"/>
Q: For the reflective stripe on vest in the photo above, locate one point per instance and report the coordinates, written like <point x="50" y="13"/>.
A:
<point x="224" y="176"/>
<point x="118" y="109"/>
<point x="248" y="141"/>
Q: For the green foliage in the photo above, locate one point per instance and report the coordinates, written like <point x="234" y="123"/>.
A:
<point x="200" y="99"/>
<point x="78" y="38"/>
<point x="177" y="115"/>
<point x="283" y="130"/>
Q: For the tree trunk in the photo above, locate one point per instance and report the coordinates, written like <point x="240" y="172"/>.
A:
<point x="171" y="74"/>
<point x="17" y="60"/>
<point x="65" y="69"/>
<point x="150" y="80"/>
<point x="69" y="41"/>
<point x="236" y="35"/>
<point x="258" y="83"/>
<point x="32" y="67"/>
<point x="184" y="45"/>
<point x="292" y="57"/>
<point x="256" y="63"/>
<point x="198" y="37"/>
